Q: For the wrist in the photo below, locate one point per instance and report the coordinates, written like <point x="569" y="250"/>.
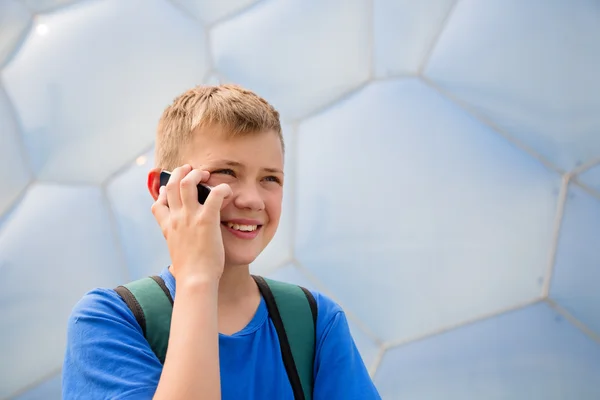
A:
<point x="198" y="281"/>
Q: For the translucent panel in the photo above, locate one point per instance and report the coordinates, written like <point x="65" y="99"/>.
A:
<point x="576" y="274"/>
<point x="8" y="214"/>
<point x="46" y="5"/>
<point x="415" y="204"/>
<point x="84" y="117"/>
<point x="528" y="354"/>
<point x="405" y="33"/>
<point x="48" y="390"/>
<point x="366" y="346"/>
<point x="56" y="246"/>
<point x="591" y="177"/>
<point x="279" y="250"/>
<point x="404" y="200"/>
<point x="532" y="68"/>
<point x="213" y="79"/>
<point x="14" y="171"/>
<point x="143" y="243"/>
<point x="14" y="23"/>
<point x="207" y="11"/>
<point x="280" y="55"/>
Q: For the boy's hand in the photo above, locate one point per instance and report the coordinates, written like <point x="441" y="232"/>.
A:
<point x="192" y="230"/>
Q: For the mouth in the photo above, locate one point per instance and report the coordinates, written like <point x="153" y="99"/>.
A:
<point x="241" y="227"/>
<point x="242" y="230"/>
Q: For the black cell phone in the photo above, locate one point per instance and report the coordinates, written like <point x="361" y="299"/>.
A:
<point x="203" y="191"/>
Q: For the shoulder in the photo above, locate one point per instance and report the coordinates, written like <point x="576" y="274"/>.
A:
<point x="327" y="308"/>
<point x="331" y="318"/>
<point x="338" y="369"/>
<point x="103" y="308"/>
<point x="97" y="319"/>
<point x="329" y="312"/>
<point x="105" y="349"/>
<point x="102" y="304"/>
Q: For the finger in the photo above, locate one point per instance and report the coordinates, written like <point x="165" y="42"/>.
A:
<point x="160" y="209"/>
<point x="173" y="193"/>
<point x="205" y="176"/>
<point x="189" y="191"/>
<point x="215" y="200"/>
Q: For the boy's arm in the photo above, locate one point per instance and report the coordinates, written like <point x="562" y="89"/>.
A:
<point x="340" y="372"/>
<point x="194" y="238"/>
<point x="191" y="367"/>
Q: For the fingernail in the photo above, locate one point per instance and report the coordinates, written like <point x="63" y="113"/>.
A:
<point x="161" y="190"/>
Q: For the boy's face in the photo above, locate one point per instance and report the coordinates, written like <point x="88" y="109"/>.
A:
<point x="253" y="167"/>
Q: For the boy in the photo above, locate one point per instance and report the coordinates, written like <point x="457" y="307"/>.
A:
<point x="222" y="342"/>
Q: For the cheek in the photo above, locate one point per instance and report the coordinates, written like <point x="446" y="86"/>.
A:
<point x="273" y="207"/>
<point x="217" y="179"/>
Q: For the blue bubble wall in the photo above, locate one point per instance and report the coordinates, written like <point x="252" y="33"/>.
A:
<point x="443" y="186"/>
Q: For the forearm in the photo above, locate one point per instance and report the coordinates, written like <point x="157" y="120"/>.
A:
<point x="191" y="369"/>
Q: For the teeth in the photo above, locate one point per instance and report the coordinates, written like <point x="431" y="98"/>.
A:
<point x="245" y="228"/>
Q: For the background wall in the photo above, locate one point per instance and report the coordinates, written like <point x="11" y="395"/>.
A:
<point x="443" y="187"/>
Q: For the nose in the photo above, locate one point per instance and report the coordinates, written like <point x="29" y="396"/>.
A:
<point x="248" y="197"/>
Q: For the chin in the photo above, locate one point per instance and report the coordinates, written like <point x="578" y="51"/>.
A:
<point x="242" y="252"/>
<point x="237" y="258"/>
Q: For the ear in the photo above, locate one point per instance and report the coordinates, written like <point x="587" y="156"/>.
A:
<point x="154" y="182"/>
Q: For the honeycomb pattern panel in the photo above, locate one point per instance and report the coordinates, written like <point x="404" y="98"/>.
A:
<point x="405" y="33"/>
<point x="293" y="274"/>
<point x="427" y="210"/>
<point x="122" y="71"/>
<point x="576" y="273"/>
<point x="42" y="6"/>
<point x="280" y="55"/>
<point x="208" y="12"/>
<point x="49" y="389"/>
<point x="15" y="173"/>
<point x="532" y="353"/>
<point x="425" y="147"/>
<point x="591" y="177"/>
<point x="531" y="68"/>
<point x="57" y="245"/>
<point x="15" y="21"/>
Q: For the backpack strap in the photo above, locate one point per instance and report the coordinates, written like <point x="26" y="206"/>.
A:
<point x="152" y="305"/>
<point x="293" y="310"/>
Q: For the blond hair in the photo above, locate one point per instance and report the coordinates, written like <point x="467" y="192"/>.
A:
<point x="237" y="111"/>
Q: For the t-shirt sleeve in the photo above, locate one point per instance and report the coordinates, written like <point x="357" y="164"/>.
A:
<point x="107" y="356"/>
<point x="340" y="372"/>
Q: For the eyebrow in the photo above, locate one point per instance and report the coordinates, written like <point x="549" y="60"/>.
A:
<point x="240" y="165"/>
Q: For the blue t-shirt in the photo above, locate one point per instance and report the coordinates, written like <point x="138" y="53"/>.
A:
<point x="107" y="356"/>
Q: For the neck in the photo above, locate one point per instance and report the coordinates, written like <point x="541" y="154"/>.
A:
<point x="236" y="284"/>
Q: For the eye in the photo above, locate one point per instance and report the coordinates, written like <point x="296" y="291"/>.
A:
<point x="224" y="171"/>
<point x="273" y="179"/>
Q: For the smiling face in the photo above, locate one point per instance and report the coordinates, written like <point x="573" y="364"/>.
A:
<point x="252" y="165"/>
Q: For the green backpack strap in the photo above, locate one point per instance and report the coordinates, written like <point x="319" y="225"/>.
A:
<point x="152" y="305"/>
<point x="293" y="310"/>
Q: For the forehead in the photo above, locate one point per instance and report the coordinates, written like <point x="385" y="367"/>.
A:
<point x="261" y="150"/>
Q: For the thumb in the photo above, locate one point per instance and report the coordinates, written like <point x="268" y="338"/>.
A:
<point x="215" y="199"/>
